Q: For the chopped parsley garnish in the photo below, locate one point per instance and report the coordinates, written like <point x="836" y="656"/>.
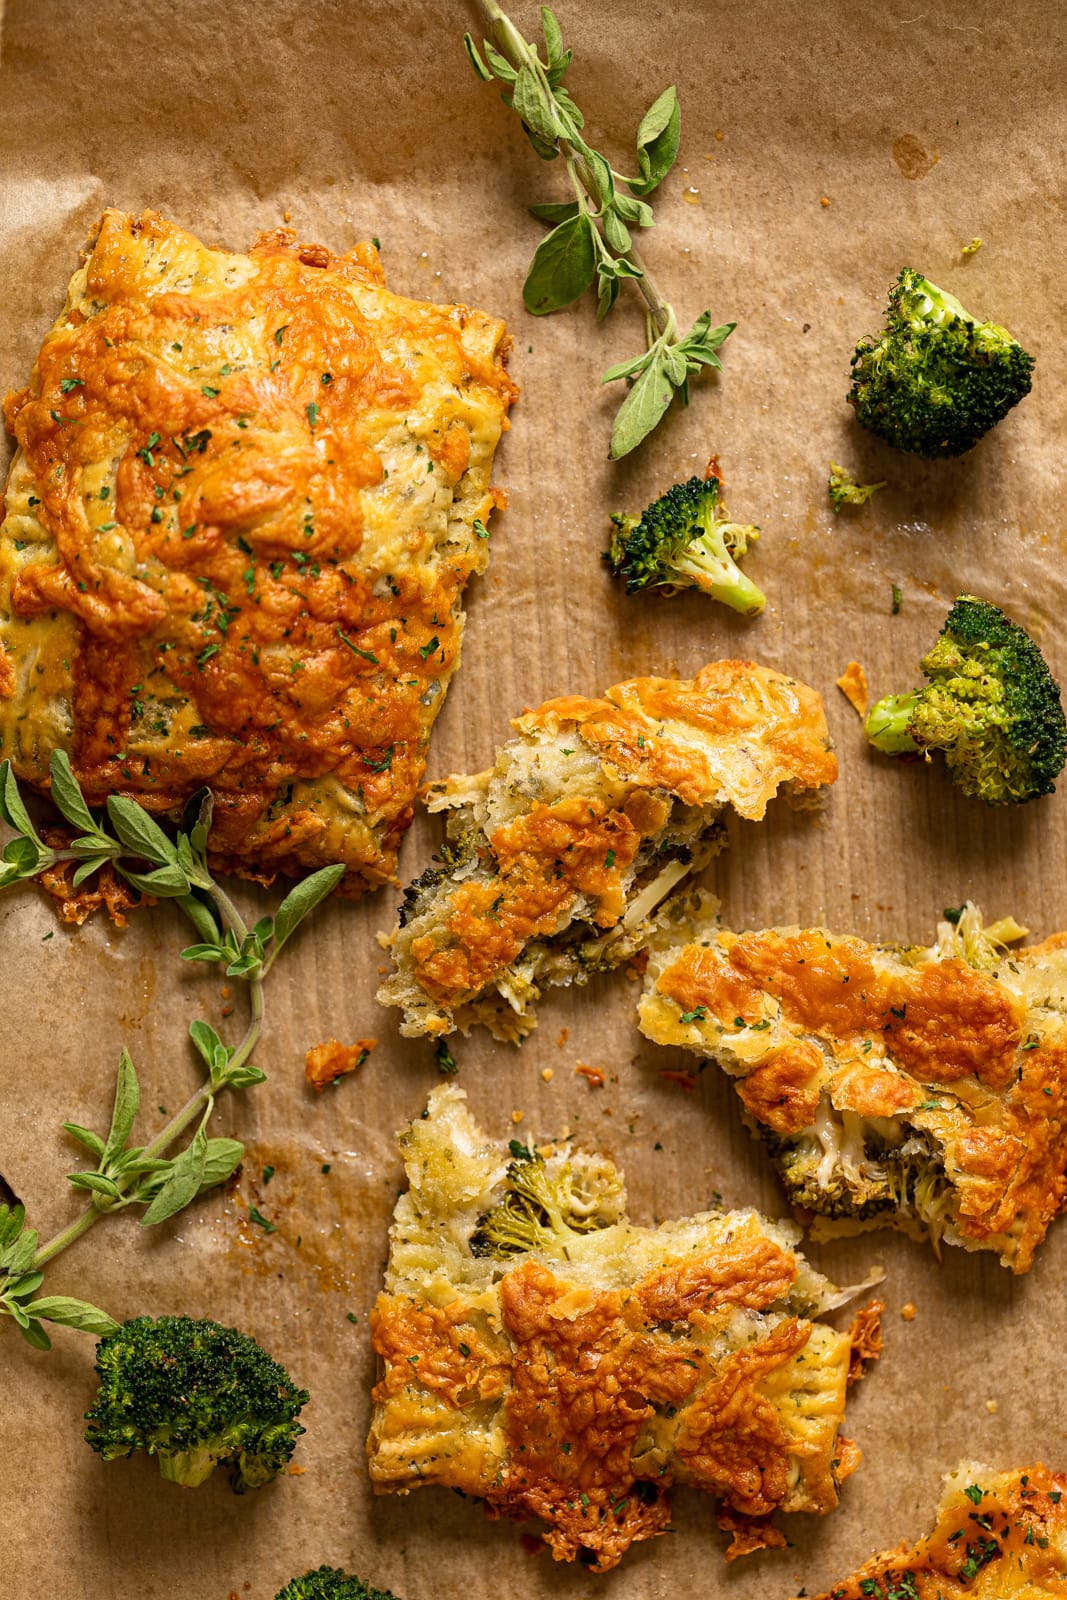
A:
<point x="364" y="655"/>
<point x="427" y="650"/>
<point x="696" y="1015"/>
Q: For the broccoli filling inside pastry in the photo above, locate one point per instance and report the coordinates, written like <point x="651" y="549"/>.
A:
<point x="921" y="1087"/>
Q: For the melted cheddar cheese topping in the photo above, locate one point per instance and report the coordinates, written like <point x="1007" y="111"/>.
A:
<point x="998" y="1536"/>
<point x="832" y="1039"/>
<point x="578" y="1384"/>
<point x="236" y="534"/>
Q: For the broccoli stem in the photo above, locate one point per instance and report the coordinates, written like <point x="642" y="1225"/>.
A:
<point x="190" y="1468"/>
<point x="196" y="1106"/>
<point x="888" y="723"/>
<point x="720" y="577"/>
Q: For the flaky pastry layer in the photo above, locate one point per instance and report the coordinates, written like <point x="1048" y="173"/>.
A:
<point x="559" y="857"/>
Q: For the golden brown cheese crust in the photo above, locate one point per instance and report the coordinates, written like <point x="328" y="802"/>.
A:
<point x="581" y="1374"/>
<point x="237" y="531"/>
<point x="574" y="1369"/>
<point x="806" y="1015"/>
<point x="733" y="734"/>
<point x="997" y="1537"/>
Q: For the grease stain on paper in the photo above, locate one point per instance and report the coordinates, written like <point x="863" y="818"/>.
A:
<point x="912" y="157"/>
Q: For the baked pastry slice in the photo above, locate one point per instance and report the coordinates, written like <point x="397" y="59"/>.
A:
<point x="998" y="1536"/>
<point x="558" y="858"/>
<point x="247" y="495"/>
<point x="541" y="1352"/>
<point x="921" y="1088"/>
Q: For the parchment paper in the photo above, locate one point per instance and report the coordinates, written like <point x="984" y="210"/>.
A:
<point x="823" y="148"/>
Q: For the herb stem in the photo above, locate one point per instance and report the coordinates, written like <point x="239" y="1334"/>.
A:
<point x="199" y="1102"/>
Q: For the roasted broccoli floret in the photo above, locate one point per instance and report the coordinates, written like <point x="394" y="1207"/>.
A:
<point x="194" y="1394"/>
<point x="330" y="1583"/>
<point x="845" y="491"/>
<point x="936" y="379"/>
<point x="542" y="1210"/>
<point x="991" y="705"/>
<point x="683" y="540"/>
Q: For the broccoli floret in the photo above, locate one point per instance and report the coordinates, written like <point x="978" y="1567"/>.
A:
<point x="843" y="1192"/>
<point x="936" y="379"/>
<point x="194" y="1394"/>
<point x="330" y="1583"/>
<point x="540" y="1210"/>
<point x="845" y="491"/>
<point x="681" y="542"/>
<point x="991" y="705"/>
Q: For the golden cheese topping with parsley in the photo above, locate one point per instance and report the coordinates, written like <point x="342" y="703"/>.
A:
<point x="560" y="856"/>
<point x="998" y="1536"/>
<point x="577" y="1371"/>
<point x="247" y="496"/>
<point x="924" y="1088"/>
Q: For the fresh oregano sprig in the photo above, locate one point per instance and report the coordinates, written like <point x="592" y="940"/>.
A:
<point x="129" y="1174"/>
<point x="591" y="238"/>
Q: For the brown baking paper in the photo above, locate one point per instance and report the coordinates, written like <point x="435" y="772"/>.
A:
<point x="823" y="148"/>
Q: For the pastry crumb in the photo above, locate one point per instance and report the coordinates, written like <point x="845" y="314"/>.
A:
<point x="325" y="1063"/>
<point x="853" y="685"/>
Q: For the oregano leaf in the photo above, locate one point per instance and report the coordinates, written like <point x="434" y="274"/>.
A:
<point x="127" y="1100"/>
<point x="68" y="796"/>
<point x="563" y="266"/>
<point x="303" y="899"/>
<point x="68" y="1313"/>
<point x="183" y="1185"/>
<point x="138" y="832"/>
<point x="642" y="409"/>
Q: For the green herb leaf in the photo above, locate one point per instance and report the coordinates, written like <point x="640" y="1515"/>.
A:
<point x="12" y="809"/>
<point x="165" y="882"/>
<point x="556" y="213"/>
<point x="96" y="1182"/>
<point x="475" y="59"/>
<point x="33" y="1333"/>
<point x="22" y="1288"/>
<point x="24" y="858"/>
<point x="68" y="796"/>
<point x="184" y="1183"/>
<point x="85" y="1137"/>
<point x="201" y="917"/>
<point x="222" y="1157"/>
<point x="563" y="266"/>
<point x="85" y="869"/>
<point x="536" y="109"/>
<point x="642" y="409"/>
<point x="138" y="832"/>
<point x="658" y="138"/>
<point x="127" y="1100"/>
<point x="68" y="1313"/>
<point x="303" y="899"/>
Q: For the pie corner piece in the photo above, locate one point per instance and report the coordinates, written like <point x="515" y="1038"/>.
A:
<point x="559" y="858"/>
<point x="541" y="1353"/>
<point x="998" y="1536"/>
<point x="917" y="1087"/>
<point x="246" y="496"/>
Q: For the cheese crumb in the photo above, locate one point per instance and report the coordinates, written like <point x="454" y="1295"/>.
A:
<point x="907" y="1311"/>
<point x="853" y="685"/>
<point x="547" y="1074"/>
<point x="517" y="1116"/>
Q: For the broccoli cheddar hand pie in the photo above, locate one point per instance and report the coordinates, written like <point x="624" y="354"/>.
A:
<point x="999" y="1536"/>
<point x="247" y="495"/>
<point x="558" y="858"/>
<point x="539" y="1351"/>
<point x="922" y="1088"/>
